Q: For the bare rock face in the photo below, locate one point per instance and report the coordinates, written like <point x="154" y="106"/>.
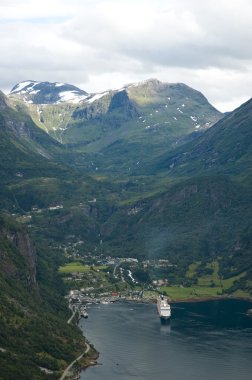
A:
<point x="27" y="250"/>
<point x="121" y="102"/>
<point x="18" y="257"/>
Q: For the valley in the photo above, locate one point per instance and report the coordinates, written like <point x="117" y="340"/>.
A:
<point x="134" y="191"/>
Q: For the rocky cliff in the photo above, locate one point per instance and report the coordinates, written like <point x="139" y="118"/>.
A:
<point x="17" y="255"/>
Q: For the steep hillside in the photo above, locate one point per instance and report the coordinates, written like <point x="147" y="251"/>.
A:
<point x="35" y="341"/>
<point x="19" y="132"/>
<point x="225" y="147"/>
<point x="26" y="153"/>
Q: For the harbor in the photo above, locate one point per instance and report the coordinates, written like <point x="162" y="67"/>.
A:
<point x="79" y="303"/>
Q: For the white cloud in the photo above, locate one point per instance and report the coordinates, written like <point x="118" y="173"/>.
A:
<point x="102" y="44"/>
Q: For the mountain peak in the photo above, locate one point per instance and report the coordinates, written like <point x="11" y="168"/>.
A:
<point x="147" y="82"/>
<point x="48" y="92"/>
<point x="154" y="85"/>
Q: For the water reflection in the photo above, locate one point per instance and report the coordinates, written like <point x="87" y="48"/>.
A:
<point x="165" y="327"/>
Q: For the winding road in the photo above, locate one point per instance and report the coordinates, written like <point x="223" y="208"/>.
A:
<point x="68" y="369"/>
<point x="66" y="372"/>
<point x="72" y="316"/>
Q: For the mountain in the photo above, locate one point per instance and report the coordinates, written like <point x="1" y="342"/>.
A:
<point x="190" y="181"/>
<point x="167" y="115"/>
<point x="202" y="212"/>
<point x="150" y="170"/>
<point x="34" y="92"/>
<point x="114" y="129"/>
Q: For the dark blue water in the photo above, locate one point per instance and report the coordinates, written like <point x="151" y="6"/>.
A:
<point x="207" y="340"/>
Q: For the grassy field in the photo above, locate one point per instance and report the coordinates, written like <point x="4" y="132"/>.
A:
<point x="214" y="278"/>
<point x="77" y="266"/>
<point x="191" y="272"/>
<point x="203" y="288"/>
<point x="178" y="292"/>
<point x="230" y="281"/>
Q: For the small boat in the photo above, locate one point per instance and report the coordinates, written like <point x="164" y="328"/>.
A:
<point x="83" y="313"/>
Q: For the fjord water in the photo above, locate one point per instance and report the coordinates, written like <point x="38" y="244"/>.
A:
<point x="205" y="340"/>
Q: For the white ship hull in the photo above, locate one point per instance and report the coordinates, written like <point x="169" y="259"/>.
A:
<point x="163" y="308"/>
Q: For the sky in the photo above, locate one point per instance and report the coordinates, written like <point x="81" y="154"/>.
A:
<point x="104" y="44"/>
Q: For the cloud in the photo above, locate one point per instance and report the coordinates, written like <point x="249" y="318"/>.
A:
<point x="101" y="44"/>
<point x="193" y="36"/>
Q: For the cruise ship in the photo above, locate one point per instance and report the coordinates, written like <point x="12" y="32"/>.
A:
<point x="163" y="307"/>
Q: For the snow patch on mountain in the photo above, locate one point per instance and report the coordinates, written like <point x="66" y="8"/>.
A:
<point x="71" y="96"/>
<point x="34" y="92"/>
<point x="96" y="97"/>
<point x="48" y="92"/>
<point x="21" y="86"/>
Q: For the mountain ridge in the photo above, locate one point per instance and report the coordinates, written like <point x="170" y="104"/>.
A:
<point x="148" y="115"/>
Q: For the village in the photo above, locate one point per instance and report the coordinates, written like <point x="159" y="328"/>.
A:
<point x="94" y="279"/>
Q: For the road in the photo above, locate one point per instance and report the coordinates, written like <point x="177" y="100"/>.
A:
<point x="66" y="372"/>
<point x="72" y="316"/>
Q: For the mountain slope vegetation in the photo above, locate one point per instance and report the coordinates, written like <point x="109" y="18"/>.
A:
<point x="35" y="341"/>
<point x="225" y="147"/>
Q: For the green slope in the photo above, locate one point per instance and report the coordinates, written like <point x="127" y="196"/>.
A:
<point x="33" y="329"/>
<point x="225" y="147"/>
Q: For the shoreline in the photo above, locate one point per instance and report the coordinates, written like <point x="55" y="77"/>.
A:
<point x="211" y="298"/>
<point x="92" y="361"/>
<point x="191" y="299"/>
<point x="84" y="360"/>
<point x="84" y="363"/>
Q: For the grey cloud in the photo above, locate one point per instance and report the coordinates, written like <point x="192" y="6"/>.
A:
<point x="207" y="40"/>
